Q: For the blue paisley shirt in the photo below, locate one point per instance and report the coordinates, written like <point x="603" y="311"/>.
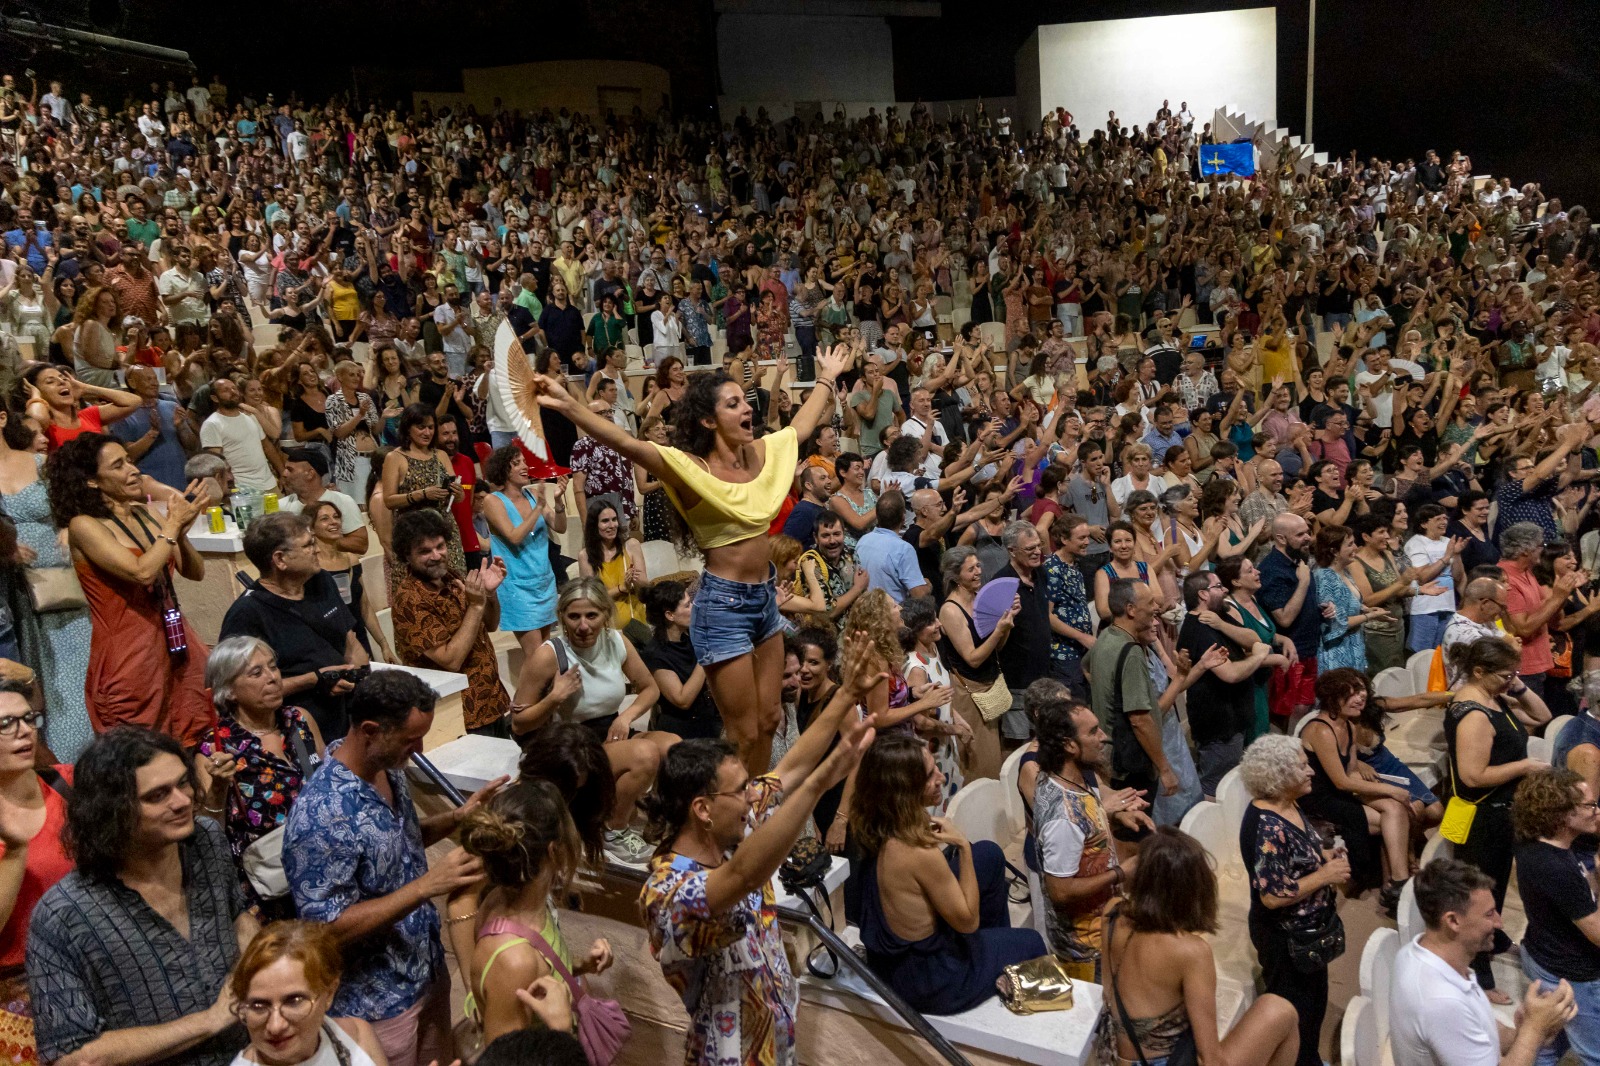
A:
<point x="344" y="845"/>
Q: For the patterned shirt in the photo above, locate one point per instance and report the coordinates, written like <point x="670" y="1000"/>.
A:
<point x="1074" y="839"/>
<point x="694" y="323"/>
<point x="1518" y="505"/>
<point x="730" y="968"/>
<point x="835" y="579"/>
<point x="344" y="845"/>
<point x="264" y="784"/>
<point x="100" y="958"/>
<point x="424" y="619"/>
<point x="1063" y="587"/>
<point x="605" y="471"/>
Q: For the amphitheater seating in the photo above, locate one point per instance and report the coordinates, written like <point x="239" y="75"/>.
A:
<point x="1359" y="1044"/>
<point x="1377" y="973"/>
<point x="1419" y="665"/>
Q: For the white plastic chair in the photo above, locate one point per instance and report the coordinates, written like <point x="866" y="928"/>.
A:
<point x="993" y="334"/>
<point x="1407" y="917"/>
<point x="1359" y="1044"/>
<point x="1552" y="731"/>
<point x="979" y="811"/>
<point x="1539" y="748"/>
<point x="1010" y="772"/>
<point x="660" y="558"/>
<point x="1207" y="823"/>
<point x="1234" y="798"/>
<point x="1419" y="665"/>
<point x="1377" y="974"/>
<point x="1395" y="681"/>
<point x="1437" y="847"/>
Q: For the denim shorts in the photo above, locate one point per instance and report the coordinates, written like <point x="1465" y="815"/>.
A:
<point x="730" y="618"/>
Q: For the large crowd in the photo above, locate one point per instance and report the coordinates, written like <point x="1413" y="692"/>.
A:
<point x="969" y="440"/>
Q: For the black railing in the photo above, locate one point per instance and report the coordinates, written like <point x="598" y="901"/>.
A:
<point x="912" y="1018"/>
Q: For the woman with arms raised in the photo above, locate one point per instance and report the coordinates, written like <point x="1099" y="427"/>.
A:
<point x="728" y="486"/>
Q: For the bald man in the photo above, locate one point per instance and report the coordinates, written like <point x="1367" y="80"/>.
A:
<point x="1483" y="602"/>
<point x="1287" y="591"/>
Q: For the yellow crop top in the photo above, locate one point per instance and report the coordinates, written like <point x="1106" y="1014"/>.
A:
<point x="727" y="512"/>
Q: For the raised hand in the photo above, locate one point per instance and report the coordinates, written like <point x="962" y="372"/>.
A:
<point x="1214" y="657"/>
<point x="492" y="573"/>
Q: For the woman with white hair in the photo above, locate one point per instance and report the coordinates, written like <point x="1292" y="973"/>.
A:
<point x="253" y="764"/>
<point x="1294" y="917"/>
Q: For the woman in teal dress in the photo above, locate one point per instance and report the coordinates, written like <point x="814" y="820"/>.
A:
<point x="1342" y="641"/>
<point x="54" y="643"/>
<point x="520" y="522"/>
<point x="1242" y="580"/>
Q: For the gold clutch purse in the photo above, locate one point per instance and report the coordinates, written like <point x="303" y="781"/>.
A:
<point x="1035" y="986"/>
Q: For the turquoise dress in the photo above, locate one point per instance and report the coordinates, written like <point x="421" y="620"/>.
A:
<point x="528" y="594"/>
<point x="1341" y="645"/>
<point x="56" y="643"/>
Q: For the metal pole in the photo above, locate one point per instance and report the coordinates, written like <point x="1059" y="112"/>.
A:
<point x="439" y="781"/>
<point x="1311" y="67"/>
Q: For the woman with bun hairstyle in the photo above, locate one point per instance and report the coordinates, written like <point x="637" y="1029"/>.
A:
<point x="530" y="851"/>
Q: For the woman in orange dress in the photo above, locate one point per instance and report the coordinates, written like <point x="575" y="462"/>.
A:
<point x="146" y="663"/>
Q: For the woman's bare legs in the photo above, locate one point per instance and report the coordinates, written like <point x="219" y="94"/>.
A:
<point x="634" y="763"/>
<point x="748" y="691"/>
<point x="1268" y="1033"/>
<point x="1393" y="820"/>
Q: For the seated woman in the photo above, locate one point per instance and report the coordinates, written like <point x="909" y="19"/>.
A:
<point x="1161" y="978"/>
<point x="1348" y="793"/>
<point x="282" y="986"/>
<point x="253" y="764"/>
<point x="530" y="851"/>
<point x="937" y="929"/>
<point x="601" y="664"/>
<point x="686" y="708"/>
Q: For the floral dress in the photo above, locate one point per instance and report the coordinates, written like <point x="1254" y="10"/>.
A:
<point x="418" y="475"/>
<point x="730" y="968"/>
<point x="770" y="326"/>
<point x="869" y="505"/>
<point x="1063" y="584"/>
<point x="264" y="787"/>
<point x="1341" y="645"/>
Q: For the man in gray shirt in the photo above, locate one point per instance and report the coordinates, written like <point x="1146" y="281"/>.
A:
<point x="877" y="404"/>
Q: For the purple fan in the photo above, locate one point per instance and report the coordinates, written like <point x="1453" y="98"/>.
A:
<point x="991" y="604"/>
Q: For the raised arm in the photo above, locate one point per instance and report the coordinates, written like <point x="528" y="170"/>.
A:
<point x="818" y="405"/>
<point x="553" y="395"/>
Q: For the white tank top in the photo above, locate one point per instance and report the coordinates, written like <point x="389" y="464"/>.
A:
<point x="326" y="1055"/>
<point x="605" y="686"/>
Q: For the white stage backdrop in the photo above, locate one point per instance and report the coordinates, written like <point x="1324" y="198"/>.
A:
<point x="1130" y="65"/>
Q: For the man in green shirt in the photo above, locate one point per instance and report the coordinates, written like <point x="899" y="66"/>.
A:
<point x="877" y="407"/>
<point x="1125" y="701"/>
<point x="141" y="227"/>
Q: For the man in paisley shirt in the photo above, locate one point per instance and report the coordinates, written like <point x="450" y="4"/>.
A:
<point x="708" y="903"/>
<point x="354" y="853"/>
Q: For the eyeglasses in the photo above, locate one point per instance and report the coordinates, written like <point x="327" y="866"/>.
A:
<point x="8" y="724"/>
<point x="257" y="1011"/>
<point x="1592" y="805"/>
<point x="742" y="790"/>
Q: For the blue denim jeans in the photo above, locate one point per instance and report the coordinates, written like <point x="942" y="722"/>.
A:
<point x="1582" y="1034"/>
<point x="729" y="618"/>
<point x="1426" y="630"/>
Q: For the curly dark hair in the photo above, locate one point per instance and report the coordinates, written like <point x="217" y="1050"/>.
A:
<point x="688" y="772"/>
<point x="497" y="467"/>
<point x="571" y="757"/>
<point x="1543" y="800"/>
<point x="103" y="810"/>
<point x="699" y="402"/>
<point x="414" y="527"/>
<point x="1054" y="727"/>
<point x="67" y="474"/>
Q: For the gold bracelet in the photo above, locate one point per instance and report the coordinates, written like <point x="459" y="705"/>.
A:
<point x="461" y="918"/>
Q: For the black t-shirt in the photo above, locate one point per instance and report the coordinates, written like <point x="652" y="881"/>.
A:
<point x="1025" y="656"/>
<point x="678" y="656"/>
<point x="1555" y="895"/>
<point x="1483" y="552"/>
<point x="802" y="523"/>
<point x="1217" y="709"/>
<point x="928" y="555"/>
<point x="429" y="391"/>
<point x="306" y="634"/>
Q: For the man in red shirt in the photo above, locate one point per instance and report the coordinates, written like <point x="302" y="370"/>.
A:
<point x="135" y="286"/>
<point x="448" y="437"/>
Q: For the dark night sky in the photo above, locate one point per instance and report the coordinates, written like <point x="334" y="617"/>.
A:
<point x="1514" y="83"/>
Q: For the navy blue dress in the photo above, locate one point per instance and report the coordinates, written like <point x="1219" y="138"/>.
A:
<point x="948" y="972"/>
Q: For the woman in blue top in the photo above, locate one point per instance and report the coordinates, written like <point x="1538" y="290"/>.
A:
<point x="520" y="523"/>
<point x="1342" y="641"/>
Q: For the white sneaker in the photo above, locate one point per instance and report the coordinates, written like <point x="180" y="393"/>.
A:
<point x="627" y="846"/>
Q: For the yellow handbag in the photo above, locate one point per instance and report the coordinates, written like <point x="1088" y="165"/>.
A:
<point x="1459" y="813"/>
